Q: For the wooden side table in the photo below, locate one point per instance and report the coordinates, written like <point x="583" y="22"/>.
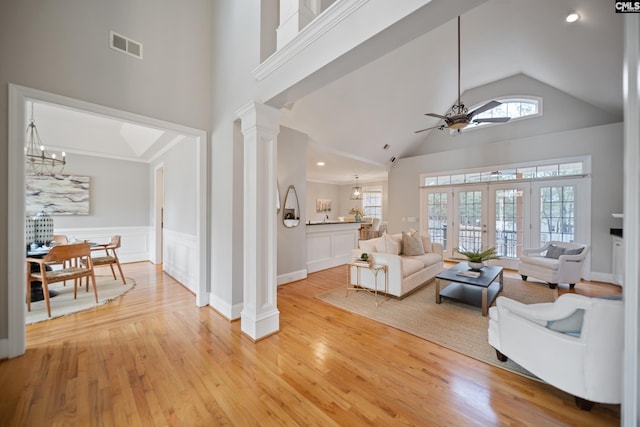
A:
<point x="375" y="269"/>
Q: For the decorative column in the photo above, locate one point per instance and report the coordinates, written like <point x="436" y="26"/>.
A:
<point x="294" y="16"/>
<point x="260" y="127"/>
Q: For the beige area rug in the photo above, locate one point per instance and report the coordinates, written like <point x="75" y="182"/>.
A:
<point x="457" y="326"/>
<point x="64" y="304"/>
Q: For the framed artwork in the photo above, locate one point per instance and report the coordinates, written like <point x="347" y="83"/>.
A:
<point x="57" y="194"/>
<point x="323" y="205"/>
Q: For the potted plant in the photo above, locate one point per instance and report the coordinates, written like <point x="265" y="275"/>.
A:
<point x="357" y="212"/>
<point x="476" y="259"/>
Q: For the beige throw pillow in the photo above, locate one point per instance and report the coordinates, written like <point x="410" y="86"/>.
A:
<point x="388" y="245"/>
<point x="426" y="240"/>
<point x="411" y="246"/>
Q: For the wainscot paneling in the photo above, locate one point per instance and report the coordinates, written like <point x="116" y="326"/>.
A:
<point x="180" y="258"/>
<point x="134" y="241"/>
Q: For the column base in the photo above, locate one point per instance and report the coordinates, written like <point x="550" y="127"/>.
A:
<point x="258" y="328"/>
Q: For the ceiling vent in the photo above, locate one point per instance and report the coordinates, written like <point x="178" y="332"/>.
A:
<point x="125" y="45"/>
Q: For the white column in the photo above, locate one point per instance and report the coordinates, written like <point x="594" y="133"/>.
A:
<point x="260" y="126"/>
<point x="631" y="92"/>
<point x="294" y="16"/>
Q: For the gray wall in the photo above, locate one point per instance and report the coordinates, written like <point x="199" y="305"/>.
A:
<point x="119" y="192"/>
<point x="292" y="242"/>
<point x="321" y="190"/>
<point x="62" y="47"/>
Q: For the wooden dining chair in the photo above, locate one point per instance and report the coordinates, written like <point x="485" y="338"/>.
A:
<point x="108" y="257"/>
<point x="76" y="257"/>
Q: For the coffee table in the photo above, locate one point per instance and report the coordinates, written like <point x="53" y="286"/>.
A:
<point x="479" y="292"/>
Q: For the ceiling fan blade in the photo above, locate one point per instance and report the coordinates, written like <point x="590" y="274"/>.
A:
<point x="488" y="106"/>
<point x="442" y="126"/>
<point x="493" y="120"/>
<point x="436" y="115"/>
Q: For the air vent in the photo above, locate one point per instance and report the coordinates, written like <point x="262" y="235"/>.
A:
<point x="125" y="45"/>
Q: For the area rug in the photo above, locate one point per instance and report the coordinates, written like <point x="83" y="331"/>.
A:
<point x="64" y="304"/>
<point x="453" y="325"/>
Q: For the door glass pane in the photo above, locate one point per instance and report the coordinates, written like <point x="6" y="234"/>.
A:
<point x="509" y="223"/>
<point x="557" y="214"/>
<point x="470" y="220"/>
<point x="437" y="218"/>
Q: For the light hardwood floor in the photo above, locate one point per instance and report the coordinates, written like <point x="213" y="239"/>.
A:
<point x="154" y="358"/>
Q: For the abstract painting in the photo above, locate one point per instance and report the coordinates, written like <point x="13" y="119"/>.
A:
<point x="57" y="194"/>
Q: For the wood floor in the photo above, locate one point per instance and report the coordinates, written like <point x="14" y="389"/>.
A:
<point x="152" y="358"/>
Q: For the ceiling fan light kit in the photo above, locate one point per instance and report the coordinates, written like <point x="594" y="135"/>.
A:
<point x="459" y="118"/>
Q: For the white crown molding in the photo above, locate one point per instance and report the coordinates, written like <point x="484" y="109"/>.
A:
<point x="331" y="17"/>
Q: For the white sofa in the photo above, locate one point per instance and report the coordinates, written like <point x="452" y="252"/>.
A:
<point x="406" y="273"/>
<point x="565" y="266"/>
<point x="574" y="344"/>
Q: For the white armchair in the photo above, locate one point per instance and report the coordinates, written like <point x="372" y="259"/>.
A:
<point x="574" y="343"/>
<point x="555" y="262"/>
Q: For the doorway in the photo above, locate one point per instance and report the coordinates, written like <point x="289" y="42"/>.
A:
<point x="18" y="97"/>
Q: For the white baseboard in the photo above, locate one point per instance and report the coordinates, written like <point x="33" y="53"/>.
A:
<point x="602" y="277"/>
<point x="292" y="277"/>
<point x="231" y="312"/>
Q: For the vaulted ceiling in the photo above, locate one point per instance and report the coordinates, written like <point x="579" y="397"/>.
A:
<point x="384" y="101"/>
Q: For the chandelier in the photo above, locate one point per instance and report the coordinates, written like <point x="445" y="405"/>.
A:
<point x="356" y="191"/>
<point x="38" y="160"/>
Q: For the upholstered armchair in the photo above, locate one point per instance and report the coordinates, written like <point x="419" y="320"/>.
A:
<point x="574" y="343"/>
<point x="555" y="262"/>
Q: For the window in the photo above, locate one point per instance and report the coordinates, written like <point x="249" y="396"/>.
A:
<point x="543" y="170"/>
<point x="516" y="108"/>
<point x="372" y="203"/>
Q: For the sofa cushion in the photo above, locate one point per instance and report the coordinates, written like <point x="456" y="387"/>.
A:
<point x="426" y="240"/>
<point x="410" y="266"/>
<point x="428" y="259"/>
<point x="388" y="245"/>
<point x="412" y="245"/>
<point x="549" y="263"/>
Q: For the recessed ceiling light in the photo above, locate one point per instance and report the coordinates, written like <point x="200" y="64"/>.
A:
<point x="572" y="17"/>
<point x="320" y="163"/>
<point x="386" y="147"/>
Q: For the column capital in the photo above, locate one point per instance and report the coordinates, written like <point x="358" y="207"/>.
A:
<point x="256" y="114"/>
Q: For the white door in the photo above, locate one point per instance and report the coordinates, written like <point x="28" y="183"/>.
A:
<point x="470" y="221"/>
<point x="509" y="210"/>
<point x="435" y="211"/>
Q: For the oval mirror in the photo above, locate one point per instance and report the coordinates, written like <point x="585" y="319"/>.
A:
<point x="291" y="210"/>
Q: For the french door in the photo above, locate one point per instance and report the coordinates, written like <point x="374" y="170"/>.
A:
<point x="508" y="216"/>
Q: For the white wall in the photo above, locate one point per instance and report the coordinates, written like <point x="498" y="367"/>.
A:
<point x="180" y="241"/>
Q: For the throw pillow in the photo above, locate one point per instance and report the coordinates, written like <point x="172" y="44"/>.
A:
<point x="369" y="246"/>
<point x="576" y="251"/>
<point x="411" y="246"/>
<point x="571" y="324"/>
<point x="426" y="240"/>
<point x="388" y="245"/>
<point x="554" y="252"/>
